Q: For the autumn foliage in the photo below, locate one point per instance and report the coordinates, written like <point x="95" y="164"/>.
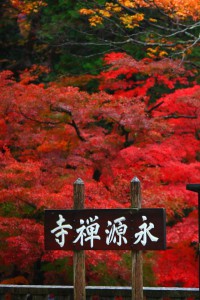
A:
<point x="127" y="11"/>
<point x="143" y="121"/>
<point x="164" y="28"/>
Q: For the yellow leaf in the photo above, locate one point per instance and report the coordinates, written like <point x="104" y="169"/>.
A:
<point x="163" y="53"/>
<point x="85" y="11"/>
<point x="153" y="20"/>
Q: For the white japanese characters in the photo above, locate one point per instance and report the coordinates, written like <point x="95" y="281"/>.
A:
<point x="114" y="232"/>
<point x="88" y="231"/>
<point x="145" y="232"/>
<point x="61" y="231"/>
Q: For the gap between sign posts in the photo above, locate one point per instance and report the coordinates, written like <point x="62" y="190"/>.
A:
<point x="80" y="229"/>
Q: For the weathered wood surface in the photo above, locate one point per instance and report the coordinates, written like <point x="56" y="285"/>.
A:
<point x="137" y="269"/>
<point x="22" y="292"/>
<point x="79" y="256"/>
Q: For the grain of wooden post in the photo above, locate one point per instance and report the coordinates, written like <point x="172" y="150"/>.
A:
<point x="79" y="256"/>
<point x="137" y="271"/>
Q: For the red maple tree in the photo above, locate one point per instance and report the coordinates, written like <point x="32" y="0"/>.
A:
<point x="143" y="122"/>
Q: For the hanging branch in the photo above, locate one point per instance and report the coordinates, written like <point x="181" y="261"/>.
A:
<point x="66" y="109"/>
<point x="59" y="108"/>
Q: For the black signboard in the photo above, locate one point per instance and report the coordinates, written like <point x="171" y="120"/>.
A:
<point x="105" y="229"/>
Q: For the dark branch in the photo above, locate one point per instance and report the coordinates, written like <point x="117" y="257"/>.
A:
<point x="38" y="121"/>
<point x="149" y="111"/>
<point x="73" y="124"/>
<point x="174" y="116"/>
<point x="67" y="110"/>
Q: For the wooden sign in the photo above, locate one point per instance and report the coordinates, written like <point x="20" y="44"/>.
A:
<point x="105" y="229"/>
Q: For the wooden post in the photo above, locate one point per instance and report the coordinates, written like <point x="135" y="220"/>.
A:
<point x="137" y="271"/>
<point x="79" y="256"/>
<point x="196" y="188"/>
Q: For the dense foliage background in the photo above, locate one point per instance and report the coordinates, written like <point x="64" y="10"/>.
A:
<point x="104" y="100"/>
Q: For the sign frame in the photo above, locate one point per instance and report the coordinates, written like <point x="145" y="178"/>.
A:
<point x="111" y="223"/>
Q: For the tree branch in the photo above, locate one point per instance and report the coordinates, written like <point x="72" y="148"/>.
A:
<point x="67" y="110"/>
<point x="59" y="108"/>
<point x="154" y="107"/>
<point x="168" y="33"/>
<point x="174" y="116"/>
<point x="38" y="121"/>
